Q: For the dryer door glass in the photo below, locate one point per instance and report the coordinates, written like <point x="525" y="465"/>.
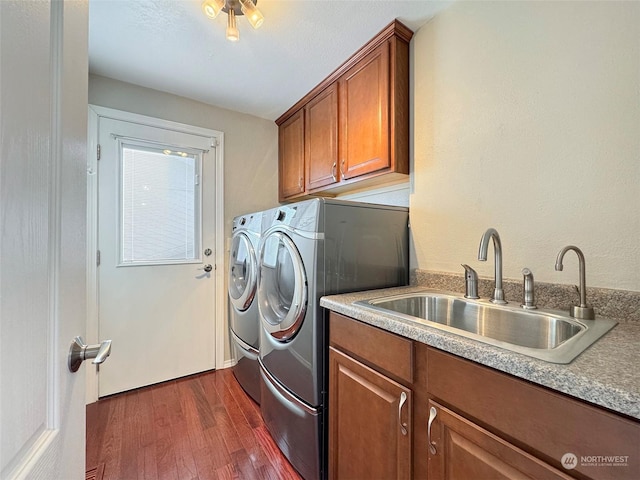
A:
<point x="282" y="287"/>
<point x="242" y="272"/>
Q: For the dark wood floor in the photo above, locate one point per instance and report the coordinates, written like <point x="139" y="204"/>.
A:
<point x="200" y="427"/>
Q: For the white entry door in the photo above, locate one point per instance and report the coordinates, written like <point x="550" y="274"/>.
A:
<point x="156" y="241"/>
<point x="43" y="125"/>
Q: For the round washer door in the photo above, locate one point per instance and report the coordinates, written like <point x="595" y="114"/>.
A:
<point x="282" y="287"/>
<point x="243" y="272"/>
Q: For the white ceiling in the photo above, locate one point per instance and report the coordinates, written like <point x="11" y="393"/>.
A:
<point x="169" y="45"/>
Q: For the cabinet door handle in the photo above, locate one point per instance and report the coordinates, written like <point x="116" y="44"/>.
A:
<point x="432" y="416"/>
<point x="300" y="183"/>
<point x="403" y="426"/>
<point x="342" y="168"/>
<point x="334" y="170"/>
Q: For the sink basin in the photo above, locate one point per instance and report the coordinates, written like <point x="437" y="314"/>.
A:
<point x="544" y="334"/>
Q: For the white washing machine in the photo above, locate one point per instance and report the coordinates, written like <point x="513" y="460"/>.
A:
<point x="308" y="250"/>
<point x="244" y="318"/>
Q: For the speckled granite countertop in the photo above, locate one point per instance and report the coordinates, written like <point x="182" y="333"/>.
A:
<point x="605" y="374"/>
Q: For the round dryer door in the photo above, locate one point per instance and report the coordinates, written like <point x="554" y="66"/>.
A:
<point x="242" y="272"/>
<point x="282" y="287"/>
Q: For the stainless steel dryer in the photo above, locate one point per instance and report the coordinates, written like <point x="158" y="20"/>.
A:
<point x="308" y="250"/>
<point x="244" y="318"/>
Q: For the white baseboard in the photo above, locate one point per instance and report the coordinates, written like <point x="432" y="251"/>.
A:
<point x="228" y="364"/>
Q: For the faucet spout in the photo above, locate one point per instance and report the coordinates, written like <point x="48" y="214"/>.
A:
<point x="582" y="311"/>
<point x="492" y="233"/>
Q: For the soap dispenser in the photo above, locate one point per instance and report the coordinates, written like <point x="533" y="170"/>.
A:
<point x="471" y="282"/>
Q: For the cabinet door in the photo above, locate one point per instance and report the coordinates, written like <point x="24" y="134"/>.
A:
<point x="321" y="139"/>
<point x="546" y="423"/>
<point x="369" y="422"/>
<point x="291" y="156"/>
<point x="460" y="449"/>
<point x="364" y="115"/>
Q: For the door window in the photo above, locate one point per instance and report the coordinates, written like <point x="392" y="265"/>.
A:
<point x="160" y="205"/>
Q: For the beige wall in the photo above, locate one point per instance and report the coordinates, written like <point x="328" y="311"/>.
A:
<point x="251" y="143"/>
<point x="527" y="119"/>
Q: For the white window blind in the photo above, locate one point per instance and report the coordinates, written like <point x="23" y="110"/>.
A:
<point x="159" y="205"/>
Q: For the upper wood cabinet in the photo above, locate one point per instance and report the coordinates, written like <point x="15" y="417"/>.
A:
<point x="356" y="122"/>
<point x="291" y="156"/>
<point x="321" y="139"/>
<point x="364" y="115"/>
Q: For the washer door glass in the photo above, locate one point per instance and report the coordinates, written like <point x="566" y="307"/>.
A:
<point x="282" y="287"/>
<point x="242" y="272"/>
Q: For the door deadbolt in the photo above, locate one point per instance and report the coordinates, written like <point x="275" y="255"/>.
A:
<point x="208" y="252"/>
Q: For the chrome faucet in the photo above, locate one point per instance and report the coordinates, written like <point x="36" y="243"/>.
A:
<point x="498" y="293"/>
<point x="528" y="291"/>
<point x="582" y="311"/>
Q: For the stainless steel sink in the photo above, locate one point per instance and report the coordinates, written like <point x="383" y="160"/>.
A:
<point x="545" y="334"/>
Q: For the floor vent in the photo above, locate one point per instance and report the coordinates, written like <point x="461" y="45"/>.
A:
<point x="95" y="473"/>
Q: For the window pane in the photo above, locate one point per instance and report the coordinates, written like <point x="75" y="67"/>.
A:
<point x="159" y="200"/>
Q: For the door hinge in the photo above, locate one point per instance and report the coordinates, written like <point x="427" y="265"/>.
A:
<point x="98" y="149"/>
<point x="98" y="257"/>
<point x="197" y="179"/>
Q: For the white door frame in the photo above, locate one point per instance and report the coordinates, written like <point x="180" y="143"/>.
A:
<point x="95" y="112"/>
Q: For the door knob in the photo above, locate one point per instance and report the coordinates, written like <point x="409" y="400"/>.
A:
<point x="79" y="352"/>
<point x="208" y="268"/>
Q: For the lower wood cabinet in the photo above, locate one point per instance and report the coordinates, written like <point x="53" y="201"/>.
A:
<point x="369" y="422"/>
<point x="462" y="420"/>
<point x="545" y="423"/>
<point x="460" y="449"/>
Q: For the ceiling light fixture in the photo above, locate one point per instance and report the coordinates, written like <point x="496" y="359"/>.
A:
<point x="233" y="8"/>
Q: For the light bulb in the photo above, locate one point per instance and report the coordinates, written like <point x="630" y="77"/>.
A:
<point x="212" y="8"/>
<point x="232" y="31"/>
<point x="255" y="17"/>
